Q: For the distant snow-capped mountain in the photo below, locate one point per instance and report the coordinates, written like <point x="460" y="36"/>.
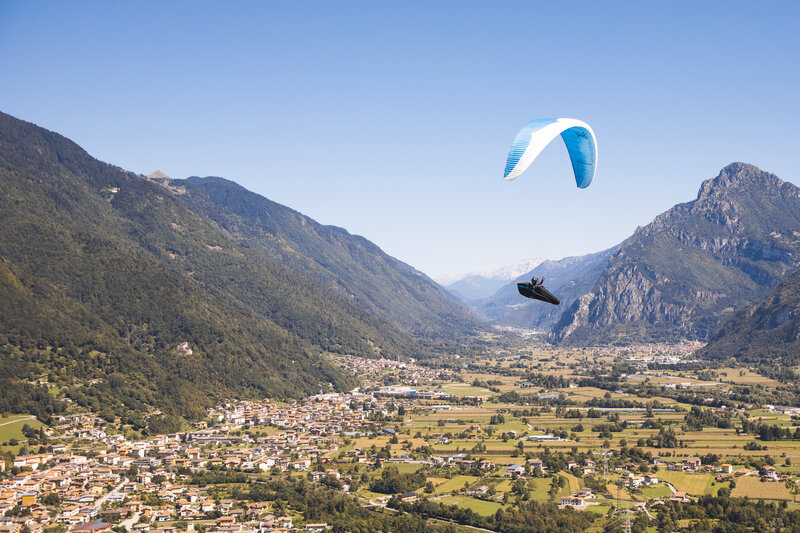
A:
<point x="477" y="285"/>
<point x="505" y="273"/>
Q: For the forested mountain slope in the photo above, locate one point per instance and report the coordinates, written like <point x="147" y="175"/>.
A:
<point x="344" y="264"/>
<point x="126" y="299"/>
<point x="764" y="332"/>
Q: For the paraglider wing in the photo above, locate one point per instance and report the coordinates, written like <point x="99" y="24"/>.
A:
<point x="537" y="134"/>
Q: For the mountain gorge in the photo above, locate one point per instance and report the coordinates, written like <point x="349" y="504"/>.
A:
<point x="129" y="295"/>
<point x="686" y="273"/>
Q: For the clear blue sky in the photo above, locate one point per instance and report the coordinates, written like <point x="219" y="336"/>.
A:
<point x="393" y="120"/>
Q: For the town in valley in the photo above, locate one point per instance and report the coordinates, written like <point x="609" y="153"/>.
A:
<point x="630" y="438"/>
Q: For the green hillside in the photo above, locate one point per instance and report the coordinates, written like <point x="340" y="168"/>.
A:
<point x="765" y="332"/>
<point x="108" y="282"/>
<point x="349" y="266"/>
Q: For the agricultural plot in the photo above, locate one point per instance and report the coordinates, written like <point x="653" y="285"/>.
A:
<point x="463" y="389"/>
<point x="455" y="484"/>
<point x="406" y="468"/>
<point x="694" y="484"/>
<point x="503" y="486"/>
<point x="482" y="507"/>
<point x="618" y="493"/>
<point x="573" y="483"/>
<point x="507" y="383"/>
<point x="745" y="376"/>
<point x="11" y="427"/>
<point x="753" y="487"/>
<point x="540" y="493"/>
<point x="656" y="491"/>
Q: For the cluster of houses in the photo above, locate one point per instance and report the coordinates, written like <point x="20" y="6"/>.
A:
<point x="376" y="371"/>
<point x="78" y="482"/>
<point x="94" y="493"/>
<point x="579" y="500"/>
<point x="694" y="464"/>
<point x="108" y="479"/>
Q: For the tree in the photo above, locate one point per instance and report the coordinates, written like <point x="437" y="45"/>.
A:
<point x="51" y="499"/>
<point x="279" y="508"/>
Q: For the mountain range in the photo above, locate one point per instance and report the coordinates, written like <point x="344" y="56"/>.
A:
<point x="681" y="276"/>
<point x="569" y="278"/>
<point x="129" y="294"/>
<point x="687" y="272"/>
<point x="132" y="295"/>
<point x="505" y="272"/>
<point x="481" y="284"/>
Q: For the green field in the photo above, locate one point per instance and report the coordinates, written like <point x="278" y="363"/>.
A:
<point x="11" y="426"/>
<point x="479" y="506"/>
<point x="454" y="484"/>
<point x="753" y="487"/>
<point x="406" y="468"/>
<point x="694" y="484"/>
<point x="656" y="491"/>
<point x="540" y="493"/>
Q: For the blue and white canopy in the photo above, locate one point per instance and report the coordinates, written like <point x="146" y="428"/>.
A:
<point x="538" y="133"/>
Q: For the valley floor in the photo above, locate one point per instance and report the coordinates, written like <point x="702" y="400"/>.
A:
<point x="591" y="438"/>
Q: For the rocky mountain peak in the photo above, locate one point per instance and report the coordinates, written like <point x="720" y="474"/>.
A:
<point x="157" y="175"/>
<point x="696" y="262"/>
<point x="740" y="177"/>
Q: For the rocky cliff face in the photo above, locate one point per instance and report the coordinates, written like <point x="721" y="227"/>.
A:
<point x="685" y="273"/>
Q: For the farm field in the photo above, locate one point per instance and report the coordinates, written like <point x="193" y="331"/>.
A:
<point x="753" y="487"/>
<point x="456" y="483"/>
<point x="463" y="389"/>
<point x="694" y="484"/>
<point x="459" y="450"/>
<point x="540" y="492"/>
<point x="657" y="491"/>
<point x="11" y="428"/>
<point x="481" y="507"/>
